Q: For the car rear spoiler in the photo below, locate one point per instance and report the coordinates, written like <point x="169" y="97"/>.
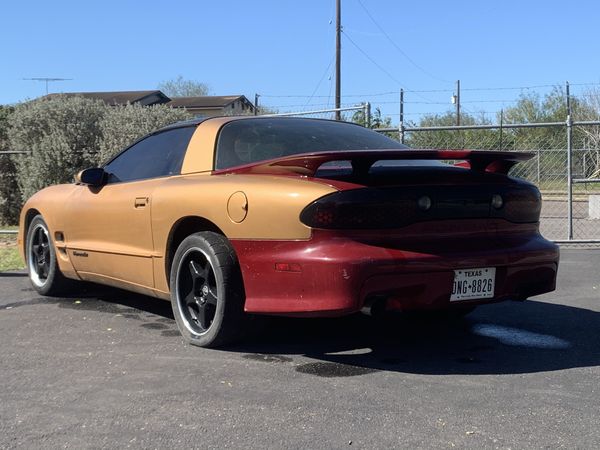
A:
<point x="307" y="164"/>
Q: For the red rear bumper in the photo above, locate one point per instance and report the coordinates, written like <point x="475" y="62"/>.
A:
<point x="333" y="274"/>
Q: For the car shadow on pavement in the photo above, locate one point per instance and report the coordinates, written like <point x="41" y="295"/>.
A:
<point x="103" y="299"/>
<point x="506" y="338"/>
<point x="13" y="274"/>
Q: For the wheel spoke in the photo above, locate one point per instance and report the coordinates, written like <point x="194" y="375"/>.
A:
<point x="43" y="271"/>
<point x="202" y="322"/>
<point x="190" y="299"/>
<point x="211" y="297"/>
<point x="194" y="269"/>
<point x="40" y="235"/>
<point x="197" y="271"/>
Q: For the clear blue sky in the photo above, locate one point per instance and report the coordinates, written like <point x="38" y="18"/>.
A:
<point x="280" y="48"/>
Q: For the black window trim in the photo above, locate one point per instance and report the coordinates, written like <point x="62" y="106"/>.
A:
<point x="147" y="136"/>
<point x="159" y="131"/>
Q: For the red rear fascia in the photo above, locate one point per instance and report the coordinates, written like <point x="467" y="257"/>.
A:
<point x="334" y="273"/>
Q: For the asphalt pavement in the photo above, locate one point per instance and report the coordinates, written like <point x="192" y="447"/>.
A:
<point x="108" y="369"/>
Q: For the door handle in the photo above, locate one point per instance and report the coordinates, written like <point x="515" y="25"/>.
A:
<point x="140" y="202"/>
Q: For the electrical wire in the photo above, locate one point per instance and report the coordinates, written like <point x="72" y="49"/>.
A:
<point x="430" y="91"/>
<point x="397" y="47"/>
<point x="376" y="64"/>
<point x="320" y="81"/>
<point x="379" y="94"/>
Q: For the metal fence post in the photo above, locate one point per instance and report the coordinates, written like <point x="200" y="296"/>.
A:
<point x="569" y="165"/>
<point x="539" y="155"/>
<point x="570" y="174"/>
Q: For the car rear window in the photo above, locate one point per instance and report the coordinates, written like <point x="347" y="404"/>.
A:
<point x="252" y="140"/>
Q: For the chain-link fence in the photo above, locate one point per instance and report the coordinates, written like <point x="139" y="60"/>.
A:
<point x="565" y="166"/>
<point x="359" y="114"/>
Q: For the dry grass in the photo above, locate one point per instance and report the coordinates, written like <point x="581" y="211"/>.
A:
<point x="9" y="254"/>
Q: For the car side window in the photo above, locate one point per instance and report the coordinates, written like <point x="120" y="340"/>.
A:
<point x="158" y="155"/>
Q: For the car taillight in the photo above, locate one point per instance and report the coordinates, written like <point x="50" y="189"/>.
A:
<point x="380" y="208"/>
<point x="358" y="215"/>
<point x="520" y="205"/>
<point x="363" y="209"/>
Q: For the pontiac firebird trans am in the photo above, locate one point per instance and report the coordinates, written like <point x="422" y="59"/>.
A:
<point x="290" y="216"/>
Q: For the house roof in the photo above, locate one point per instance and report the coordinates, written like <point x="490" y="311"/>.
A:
<point x="115" y="98"/>
<point x="158" y="97"/>
<point x="206" y="101"/>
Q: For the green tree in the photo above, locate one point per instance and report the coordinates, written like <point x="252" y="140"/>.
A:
<point x="180" y="87"/>
<point x="550" y="143"/>
<point x="263" y="110"/>
<point x="590" y="135"/>
<point x="552" y="107"/>
<point x="455" y="139"/>
<point x="376" y="120"/>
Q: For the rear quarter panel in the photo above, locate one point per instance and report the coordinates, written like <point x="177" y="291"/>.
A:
<point x="274" y="204"/>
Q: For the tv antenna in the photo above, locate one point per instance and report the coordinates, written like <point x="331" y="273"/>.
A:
<point x="47" y="80"/>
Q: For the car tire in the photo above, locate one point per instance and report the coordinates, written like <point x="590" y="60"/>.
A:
<point x="42" y="266"/>
<point x="207" y="292"/>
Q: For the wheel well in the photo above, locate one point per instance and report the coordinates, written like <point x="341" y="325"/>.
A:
<point x="182" y="229"/>
<point x="28" y="218"/>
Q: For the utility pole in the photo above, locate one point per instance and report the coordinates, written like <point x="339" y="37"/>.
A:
<point x="47" y="80"/>
<point x="457" y="103"/>
<point x="402" y="116"/>
<point x="338" y="51"/>
<point x="256" y="104"/>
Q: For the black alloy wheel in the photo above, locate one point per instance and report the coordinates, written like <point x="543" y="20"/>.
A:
<point x="40" y="255"/>
<point x="197" y="291"/>
<point x="207" y="292"/>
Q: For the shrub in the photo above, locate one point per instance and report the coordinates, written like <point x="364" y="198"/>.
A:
<point x="62" y="136"/>
<point x="123" y="125"/>
<point x="10" y="195"/>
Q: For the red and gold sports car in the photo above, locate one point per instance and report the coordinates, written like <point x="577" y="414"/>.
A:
<point x="291" y="216"/>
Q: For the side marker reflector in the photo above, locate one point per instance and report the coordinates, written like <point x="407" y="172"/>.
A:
<point x="288" y="267"/>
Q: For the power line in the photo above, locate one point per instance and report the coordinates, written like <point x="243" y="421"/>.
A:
<point x="320" y="81"/>
<point x="432" y="91"/>
<point x="311" y="105"/>
<point x="366" y="55"/>
<point x="490" y="101"/>
<point x="376" y="64"/>
<point x="326" y="96"/>
<point x="408" y="58"/>
<point x="513" y="88"/>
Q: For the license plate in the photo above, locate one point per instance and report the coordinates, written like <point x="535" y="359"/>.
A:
<point x="472" y="284"/>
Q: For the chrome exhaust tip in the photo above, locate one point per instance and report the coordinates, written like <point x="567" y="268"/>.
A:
<point x="373" y="306"/>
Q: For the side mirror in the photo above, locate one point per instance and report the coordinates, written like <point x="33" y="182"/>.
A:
<point x="94" y="176"/>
